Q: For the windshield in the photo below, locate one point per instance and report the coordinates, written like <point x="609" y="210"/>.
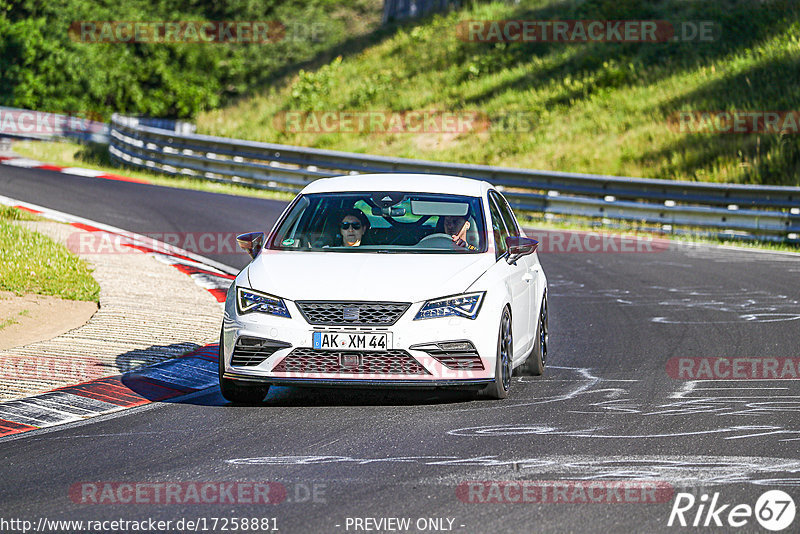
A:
<point x="383" y="222"/>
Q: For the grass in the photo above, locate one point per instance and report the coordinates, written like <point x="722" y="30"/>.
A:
<point x="33" y="263"/>
<point x="12" y="321"/>
<point x="7" y="213"/>
<point x="604" y="108"/>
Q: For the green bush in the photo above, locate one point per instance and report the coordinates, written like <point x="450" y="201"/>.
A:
<point x="42" y="68"/>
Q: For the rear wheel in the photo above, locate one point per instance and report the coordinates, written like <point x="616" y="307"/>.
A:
<point x="503" y="363"/>
<point x="235" y="392"/>
<point x="535" y="363"/>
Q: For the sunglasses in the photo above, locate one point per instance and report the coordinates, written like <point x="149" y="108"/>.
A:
<point x="353" y="225"/>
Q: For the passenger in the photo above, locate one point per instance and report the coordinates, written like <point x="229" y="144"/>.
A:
<point x="456" y="228"/>
<point x="352" y="227"/>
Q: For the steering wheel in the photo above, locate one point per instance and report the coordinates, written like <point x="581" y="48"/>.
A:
<point x="436" y="241"/>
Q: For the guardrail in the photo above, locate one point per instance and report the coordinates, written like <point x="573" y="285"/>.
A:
<point x="762" y="212"/>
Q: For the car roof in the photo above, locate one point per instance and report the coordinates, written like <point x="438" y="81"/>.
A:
<point x="411" y="183"/>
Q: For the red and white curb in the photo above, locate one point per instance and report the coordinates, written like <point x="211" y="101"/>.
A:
<point x="76" y="171"/>
<point x="172" y="378"/>
<point x="167" y="380"/>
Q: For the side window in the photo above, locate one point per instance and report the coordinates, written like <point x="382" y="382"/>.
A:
<point x="289" y="226"/>
<point x="498" y="228"/>
<point x="506" y="214"/>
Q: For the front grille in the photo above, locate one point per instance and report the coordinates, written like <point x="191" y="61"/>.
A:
<point x="390" y="362"/>
<point x="250" y="351"/>
<point x="461" y="362"/>
<point x="352" y="313"/>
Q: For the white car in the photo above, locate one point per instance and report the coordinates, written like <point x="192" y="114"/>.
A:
<point x="386" y="280"/>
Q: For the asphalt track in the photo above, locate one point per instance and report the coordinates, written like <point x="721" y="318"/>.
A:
<point x="606" y="411"/>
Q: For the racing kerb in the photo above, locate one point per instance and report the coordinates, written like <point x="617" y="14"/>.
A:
<point x="761" y="212"/>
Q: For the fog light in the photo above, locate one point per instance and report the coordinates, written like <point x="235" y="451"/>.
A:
<point x="457" y="346"/>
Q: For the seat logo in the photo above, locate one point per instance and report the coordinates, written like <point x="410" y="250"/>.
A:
<point x="350" y="313"/>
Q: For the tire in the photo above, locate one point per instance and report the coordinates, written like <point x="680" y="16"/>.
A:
<point x="503" y="363"/>
<point x="536" y="361"/>
<point x="235" y="392"/>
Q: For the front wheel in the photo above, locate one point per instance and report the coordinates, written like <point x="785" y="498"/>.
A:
<point x="503" y="363"/>
<point x="235" y="392"/>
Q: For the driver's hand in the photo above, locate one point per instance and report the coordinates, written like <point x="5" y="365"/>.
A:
<point x="460" y="239"/>
<point x="462" y="243"/>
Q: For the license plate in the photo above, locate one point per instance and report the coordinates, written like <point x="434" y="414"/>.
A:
<point x="351" y="341"/>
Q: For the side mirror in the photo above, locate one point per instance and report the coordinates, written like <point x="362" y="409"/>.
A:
<point x="520" y="246"/>
<point x="251" y="243"/>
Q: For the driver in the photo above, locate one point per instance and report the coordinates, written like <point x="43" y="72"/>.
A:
<point x="352" y="227"/>
<point x="456" y="228"/>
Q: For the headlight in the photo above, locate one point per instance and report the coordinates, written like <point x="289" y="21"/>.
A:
<point x="467" y="305"/>
<point x="254" y="301"/>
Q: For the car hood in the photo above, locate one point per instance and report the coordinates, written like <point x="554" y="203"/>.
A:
<point x="368" y="276"/>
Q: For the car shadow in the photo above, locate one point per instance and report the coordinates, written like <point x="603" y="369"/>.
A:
<point x="303" y="396"/>
<point x="185" y="373"/>
<point x="162" y="372"/>
<point x="139" y="358"/>
<point x="299" y="397"/>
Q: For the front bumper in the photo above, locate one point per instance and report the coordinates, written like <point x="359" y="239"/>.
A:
<point x="359" y="383"/>
<point x="405" y="333"/>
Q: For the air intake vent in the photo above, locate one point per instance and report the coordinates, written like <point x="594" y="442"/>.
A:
<point x="461" y="362"/>
<point x="251" y="351"/>
<point x="459" y="355"/>
<point x="391" y="362"/>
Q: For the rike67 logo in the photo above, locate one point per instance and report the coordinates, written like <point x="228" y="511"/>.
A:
<point x="774" y="510"/>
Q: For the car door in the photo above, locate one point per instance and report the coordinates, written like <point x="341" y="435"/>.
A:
<point x="516" y="275"/>
<point x="531" y="265"/>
